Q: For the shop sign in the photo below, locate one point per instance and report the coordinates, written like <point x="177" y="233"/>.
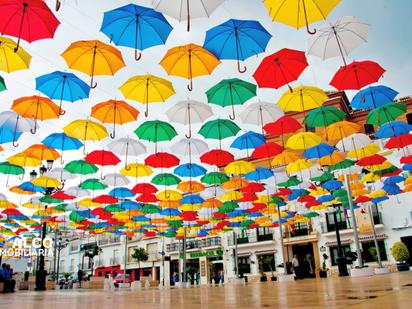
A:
<point x="195" y="255"/>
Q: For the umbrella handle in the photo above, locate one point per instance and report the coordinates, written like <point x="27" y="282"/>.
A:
<point x="21" y="177"/>
<point x="15" y="144"/>
<point x="33" y="131"/>
<point x="113" y="134"/>
<point x="127" y="168"/>
<point x="188" y="136"/>
<point x="311" y="32"/>
<point x="61" y="161"/>
<point x="137" y="55"/>
<point x="306" y="20"/>
<point x="58" y="4"/>
<point x="62" y="112"/>
<point x="93" y="85"/>
<point x="146" y="112"/>
<point x="233" y="116"/>
<point x="290" y="88"/>
<point x="239" y="69"/>
<point x="190" y="85"/>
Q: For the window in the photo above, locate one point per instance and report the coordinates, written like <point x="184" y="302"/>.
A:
<point x="244" y="265"/>
<point x="264" y="233"/>
<point x="341" y="221"/>
<point x="242" y="237"/>
<point x="267" y="262"/>
<point x="72" y="261"/>
<point x="375" y="214"/>
<point x="115" y="258"/>
<point x="152" y="251"/>
<point x="367" y="255"/>
<point x="334" y="253"/>
<point x="74" y="245"/>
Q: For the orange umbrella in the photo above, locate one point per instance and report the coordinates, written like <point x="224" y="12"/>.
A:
<point x="189" y="61"/>
<point x="190" y="186"/>
<point x="42" y="152"/>
<point x="116" y="112"/>
<point x="37" y="108"/>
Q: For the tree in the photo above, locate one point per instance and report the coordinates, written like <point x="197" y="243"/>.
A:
<point x="91" y="253"/>
<point x="140" y="255"/>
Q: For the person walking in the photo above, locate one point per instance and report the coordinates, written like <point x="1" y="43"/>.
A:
<point x="296" y="268"/>
<point x="80" y="277"/>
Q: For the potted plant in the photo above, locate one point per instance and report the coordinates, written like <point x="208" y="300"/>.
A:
<point x="401" y="254"/>
<point x="269" y="260"/>
<point x="263" y="277"/>
<point x="323" y="273"/>
<point x="139" y="255"/>
<point x="309" y="259"/>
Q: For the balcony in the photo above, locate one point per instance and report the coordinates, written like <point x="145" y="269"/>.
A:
<point x="195" y="244"/>
<point x="299" y="230"/>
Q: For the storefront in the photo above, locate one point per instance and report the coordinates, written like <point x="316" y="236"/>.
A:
<point x="109" y="271"/>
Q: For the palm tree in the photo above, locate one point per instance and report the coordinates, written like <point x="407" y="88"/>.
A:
<point x="140" y="255"/>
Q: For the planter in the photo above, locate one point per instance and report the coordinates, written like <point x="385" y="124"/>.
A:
<point x="323" y="274"/>
<point x="402" y="266"/>
<point x="381" y="271"/>
<point x="362" y="272"/>
<point x="23" y="285"/>
<point x="263" y="279"/>
<point x="273" y="278"/>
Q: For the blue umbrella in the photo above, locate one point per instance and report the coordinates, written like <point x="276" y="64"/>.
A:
<point x="121" y="192"/>
<point x="235" y="224"/>
<point x="407" y="167"/>
<point x="170" y="212"/>
<point x="129" y="205"/>
<point x="236" y="213"/>
<point x="7" y="136"/>
<point x="391" y="189"/>
<point x="28" y="186"/>
<point x="248" y="140"/>
<point x="377" y="200"/>
<point x="136" y="26"/>
<point x="202" y="233"/>
<point x="140" y="219"/>
<point x="373" y="97"/>
<point x="99" y="225"/>
<point x="259" y="174"/>
<point x="190" y="170"/>
<point x="325" y="198"/>
<point x="237" y="40"/>
<point x="61" y="141"/>
<point x="318" y="151"/>
<point x="192" y="199"/>
<point x="332" y="184"/>
<point x="393" y="129"/>
<point x="62" y="86"/>
<point x="393" y="180"/>
<point x="255" y="215"/>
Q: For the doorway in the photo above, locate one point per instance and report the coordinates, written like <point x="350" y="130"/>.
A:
<point x="408" y="242"/>
<point x="193" y="271"/>
<point x="306" y="259"/>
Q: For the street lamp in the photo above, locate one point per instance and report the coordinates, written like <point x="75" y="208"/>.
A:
<point x="59" y="247"/>
<point x="343" y="270"/>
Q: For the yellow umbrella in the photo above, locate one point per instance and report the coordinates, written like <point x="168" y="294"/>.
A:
<point x="303" y="141"/>
<point x="42" y="152"/>
<point x="190" y="207"/>
<point x="17" y="190"/>
<point x="299" y="13"/>
<point x="88" y="202"/>
<point x="5" y="204"/>
<point x="408" y="180"/>
<point x="115" y="112"/>
<point x="239" y="167"/>
<point x="319" y="207"/>
<point x="332" y="159"/>
<point x="378" y="193"/>
<point x="190" y="186"/>
<point x="37" y="108"/>
<point x="147" y="89"/>
<point x="136" y="170"/>
<point x="46" y="182"/>
<point x="234" y="183"/>
<point x="359" y="192"/>
<point x="10" y="60"/>
<point x="368" y="150"/>
<point x="93" y="58"/>
<point x="318" y="191"/>
<point x="263" y="199"/>
<point x="285" y="157"/>
<point x="23" y="160"/>
<point x="378" y="167"/>
<point x="370" y="177"/>
<point x="302" y="98"/>
<point x="231" y="196"/>
<point x="338" y="130"/>
<point x="170" y="195"/>
<point x="297" y="166"/>
<point x="85" y="130"/>
<point x="189" y="61"/>
<point x="32" y="205"/>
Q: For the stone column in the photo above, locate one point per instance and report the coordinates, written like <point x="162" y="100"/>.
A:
<point x="316" y="257"/>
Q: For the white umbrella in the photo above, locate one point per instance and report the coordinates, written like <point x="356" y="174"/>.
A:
<point x="186" y="9"/>
<point x="14" y="122"/>
<point x="127" y="147"/>
<point x="212" y="192"/>
<point x="188" y="112"/>
<point x="352" y="142"/>
<point x="75" y="207"/>
<point x="61" y="174"/>
<point x="189" y="147"/>
<point x="115" y="179"/>
<point x="3" y="197"/>
<point x="76" y="191"/>
<point x="339" y="38"/>
<point x="260" y="113"/>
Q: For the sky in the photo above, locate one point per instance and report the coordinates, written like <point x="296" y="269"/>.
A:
<point x="389" y="44"/>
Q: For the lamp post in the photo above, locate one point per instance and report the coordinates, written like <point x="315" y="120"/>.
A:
<point x="59" y="247"/>
<point x="341" y="260"/>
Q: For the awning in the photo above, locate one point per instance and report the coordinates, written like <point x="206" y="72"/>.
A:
<point x="366" y="238"/>
<point x="335" y="243"/>
<point x="265" y="252"/>
<point x="244" y="254"/>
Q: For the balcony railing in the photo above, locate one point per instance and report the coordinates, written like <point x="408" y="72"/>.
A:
<point x="195" y="244"/>
<point x="298" y="231"/>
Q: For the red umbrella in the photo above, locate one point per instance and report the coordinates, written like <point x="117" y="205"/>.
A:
<point x="371" y="160"/>
<point x="268" y="150"/>
<point x="162" y="160"/>
<point x="150" y="234"/>
<point x="280" y="68"/>
<point x="357" y="75"/>
<point x="103" y="158"/>
<point x="144" y="188"/>
<point x="253" y="187"/>
<point x="283" y="125"/>
<point x="312" y="203"/>
<point x="217" y="157"/>
<point x="306" y="198"/>
<point x="202" y="222"/>
<point x="60" y="195"/>
<point x="399" y="141"/>
<point x="248" y="197"/>
<point x="406" y="159"/>
<point x="189" y="215"/>
<point x="362" y="199"/>
<point x="147" y="198"/>
<point x="257" y="207"/>
<point x="219" y="215"/>
<point x="105" y="199"/>
<point x="30" y="20"/>
<point x="11" y="212"/>
<point x="283" y="191"/>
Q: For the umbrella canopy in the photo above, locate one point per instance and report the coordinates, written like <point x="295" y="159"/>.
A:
<point x="23" y="160"/>
<point x="93" y="58"/>
<point x="356" y="75"/>
<point x="239" y="167"/>
<point x="81" y="167"/>
<point x="189" y="61"/>
<point x="127" y="147"/>
<point x="393" y="129"/>
<point x="260" y="113"/>
<point x="42" y="152"/>
<point x="155" y="131"/>
<point x="299" y="13"/>
<point x="10" y="121"/>
<point x="386" y="113"/>
<point x="248" y="140"/>
<point x="373" y="97"/>
<point x="2" y="84"/>
<point x="30" y="20"/>
<point x="136" y="26"/>
<point x="217" y="157"/>
<point x="237" y="40"/>
<point x="303" y="141"/>
<point x="136" y="170"/>
<point x="267" y="150"/>
<point x="231" y="92"/>
<point x="190" y="170"/>
<point x="147" y="89"/>
<point x="85" y="130"/>
<point x="10" y="60"/>
<point x="62" y="86"/>
<point x="189" y="146"/>
<point x="219" y="129"/>
<point x="280" y="68"/>
<point x="162" y="160"/>
<point x="188" y="112"/>
<point x="338" y="130"/>
<point x="115" y="112"/>
<point x="338" y="38"/>
<point x="166" y="179"/>
<point x="302" y="98"/>
<point x="324" y="116"/>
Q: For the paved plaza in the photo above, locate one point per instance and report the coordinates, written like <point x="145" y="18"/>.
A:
<point x="387" y="291"/>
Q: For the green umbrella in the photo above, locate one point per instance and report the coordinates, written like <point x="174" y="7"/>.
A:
<point x="175" y="223"/>
<point x="61" y="207"/>
<point x="113" y="208"/>
<point x="324" y="116"/>
<point x="92" y="184"/>
<point x="246" y="223"/>
<point x="324" y="177"/>
<point x="390" y="170"/>
<point x="75" y="217"/>
<point x="49" y="200"/>
<point x="341" y="165"/>
<point x="155" y="131"/>
<point x="228" y="206"/>
<point x="311" y="214"/>
<point x="166" y="179"/>
<point x="171" y="234"/>
<point x="276" y="200"/>
<point x="10" y="169"/>
<point x="385" y="113"/>
<point x="2" y="84"/>
<point x="150" y="209"/>
<point x="292" y="181"/>
<point x="341" y="193"/>
<point x="219" y="129"/>
<point x="214" y="178"/>
<point x="231" y="92"/>
<point x="81" y="167"/>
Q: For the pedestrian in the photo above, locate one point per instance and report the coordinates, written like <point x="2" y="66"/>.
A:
<point x="2" y="278"/>
<point x="175" y="277"/>
<point x="296" y="268"/>
<point x="222" y="276"/>
<point x="80" y="277"/>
